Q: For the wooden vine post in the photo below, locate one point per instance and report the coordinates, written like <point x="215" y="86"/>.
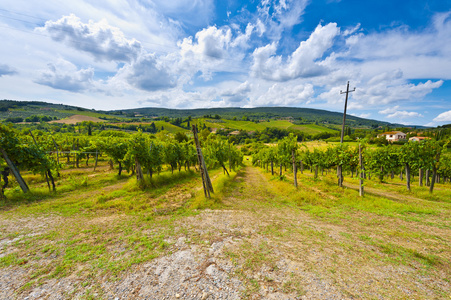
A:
<point x="206" y="182"/>
<point x="57" y="151"/>
<point x="362" y="174"/>
<point x="97" y="158"/>
<point x="47" y="172"/>
<point x="295" y="170"/>
<point x="15" y="172"/>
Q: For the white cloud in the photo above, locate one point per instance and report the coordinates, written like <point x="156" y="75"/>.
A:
<point x="147" y="73"/>
<point x="243" y="39"/>
<point x="213" y="49"/>
<point x="212" y="43"/>
<point x="443" y="117"/>
<point x="285" y="94"/>
<point x="394" y="112"/>
<point x="387" y="93"/>
<point x="352" y="30"/>
<point x="364" y="115"/>
<point x="183" y="10"/>
<point x="100" y="39"/>
<point x="6" y="70"/>
<point x="303" y="62"/>
<point x="64" y="75"/>
<point x="279" y="16"/>
<point x="236" y="94"/>
<point x="419" y="54"/>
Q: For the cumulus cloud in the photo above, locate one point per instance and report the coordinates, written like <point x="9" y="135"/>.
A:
<point x="212" y="43"/>
<point x="6" y="70"/>
<point x="212" y="49"/>
<point x="64" y="75"/>
<point x="303" y="62"/>
<point x="420" y="54"/>
<point x="394" y="112"/>
<point x="285" y="94"/>
<point x="104" y="42"/>
<point x="243" y="38"/>
<point x="237" y="94"/>
<point x="443" y="117"/>
<point x="146" y="73"/>
<point x="386" y="93"/>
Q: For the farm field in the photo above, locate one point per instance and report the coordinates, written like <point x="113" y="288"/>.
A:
<point x="74" y="119"/>
<point x="252" y="126"/>
<point x="101" y="237"/>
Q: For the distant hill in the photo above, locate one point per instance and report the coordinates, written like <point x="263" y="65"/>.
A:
<point x="306" y="115"/>
<point x="11" y="108"/>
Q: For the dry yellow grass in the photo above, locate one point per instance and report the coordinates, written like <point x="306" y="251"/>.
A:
<point x="77" y="119"/>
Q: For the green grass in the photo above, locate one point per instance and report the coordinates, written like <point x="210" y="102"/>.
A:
<point x="99" y="224"/>
<point x="311" y="129"/>
<point x="84" y="113"/>
<point x="169" y="127"/>
<point x="260" y="126"/>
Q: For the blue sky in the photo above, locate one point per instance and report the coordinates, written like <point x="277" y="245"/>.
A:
<point x="117" y="54"/>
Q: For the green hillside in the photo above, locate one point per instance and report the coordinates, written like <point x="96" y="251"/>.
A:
<point x="252" y="126"/>
<point x="302" y="115"/>
<point x="300" y="118"/>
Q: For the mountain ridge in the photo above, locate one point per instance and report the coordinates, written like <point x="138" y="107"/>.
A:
<point x="298" y="114"/>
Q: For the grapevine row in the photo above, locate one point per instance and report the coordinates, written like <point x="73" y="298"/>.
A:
<point x="411" y="158"/>
<point x="139" y="153"/>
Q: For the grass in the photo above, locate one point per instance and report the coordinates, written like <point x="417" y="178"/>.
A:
<point x="99" y="224"/>
<point x="106" y="230"/>
<point x="84" y="113"/>
<point x="260" y="126"/>
<point x="169" y="127"/>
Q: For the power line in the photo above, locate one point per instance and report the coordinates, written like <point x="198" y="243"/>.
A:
<point x="21" y="14"/>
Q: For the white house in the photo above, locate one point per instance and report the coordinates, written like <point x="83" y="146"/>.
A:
<point x="393" y="136"/>
<point x="418" y="138"/>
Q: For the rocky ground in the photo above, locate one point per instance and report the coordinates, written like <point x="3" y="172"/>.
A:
<point x="251" y="249"/>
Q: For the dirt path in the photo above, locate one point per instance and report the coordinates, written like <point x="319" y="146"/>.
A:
<point x="258" y="246"/>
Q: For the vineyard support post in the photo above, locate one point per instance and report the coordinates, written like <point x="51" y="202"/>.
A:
<point x="408" y="177"/>
<point x="420" y="177"/>
<point x="294" y="169"/>
<point x="139" y="172"/>
<point x="434" y="172"/>
<point x="15" y="171"/>
<point x="57" y="151"/>
<point x="361" y="191"/>
<point x="206" y="182"/>
<point x="77" y="155"/>
<point x="48" y="170"/>
<point x="57" y="157"/>
<point x="97" y="157"/>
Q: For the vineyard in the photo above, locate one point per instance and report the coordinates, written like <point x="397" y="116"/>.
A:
<point x="425" y="159"/>
<point x="114" y="214"/>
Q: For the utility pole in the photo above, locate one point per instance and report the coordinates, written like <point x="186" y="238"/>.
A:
<point x="339" y="168"/>
<point x="344" y="114"/>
